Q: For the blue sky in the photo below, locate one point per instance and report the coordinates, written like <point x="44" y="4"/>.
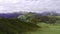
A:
<point x="9" y="6"/>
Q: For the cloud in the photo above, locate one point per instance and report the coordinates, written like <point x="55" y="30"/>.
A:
<point x="29" y="5"/>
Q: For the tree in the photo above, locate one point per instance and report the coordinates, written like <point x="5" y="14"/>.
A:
<point x="29" y="18"/>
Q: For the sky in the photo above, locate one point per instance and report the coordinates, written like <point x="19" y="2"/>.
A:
<point x="10" y="6"/>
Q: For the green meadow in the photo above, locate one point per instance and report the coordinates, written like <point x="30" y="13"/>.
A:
<point x="47" y="29"/>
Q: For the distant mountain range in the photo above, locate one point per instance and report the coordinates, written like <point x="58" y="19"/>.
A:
<point x="15" y="15"/>
<point x="50" y="14"/>
<point x="10" y="15"/>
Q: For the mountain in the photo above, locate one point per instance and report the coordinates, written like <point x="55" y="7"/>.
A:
<point x="10" y="15"/>
<point x="50" y="14"/>
<point x="16" y="14"/>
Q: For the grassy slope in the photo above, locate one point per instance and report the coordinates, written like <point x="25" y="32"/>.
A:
<point x="47" y="29"/>
<point x="15" y="26"/>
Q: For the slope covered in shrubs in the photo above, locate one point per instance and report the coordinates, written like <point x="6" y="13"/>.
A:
<point x="15" y="26"/>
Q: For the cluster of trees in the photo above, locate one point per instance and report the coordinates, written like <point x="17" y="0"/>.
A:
<point x="29" y="18"/>
<point x="47" y="19"/>
<point x="33" y="18"/>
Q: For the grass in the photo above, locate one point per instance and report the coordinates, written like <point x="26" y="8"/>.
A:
<point x="15" y="26"/>
<point x="47" y="29"/>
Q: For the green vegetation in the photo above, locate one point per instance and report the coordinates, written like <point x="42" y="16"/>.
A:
<point x="30" y="24"/>
<point x="15" y="26"/>
<point x="47" y="29"/>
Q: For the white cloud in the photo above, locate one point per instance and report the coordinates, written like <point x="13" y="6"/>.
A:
<point x="29" y="5"/>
